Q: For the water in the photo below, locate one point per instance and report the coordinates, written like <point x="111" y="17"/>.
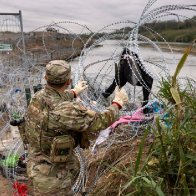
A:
<point x="111" y="48"/>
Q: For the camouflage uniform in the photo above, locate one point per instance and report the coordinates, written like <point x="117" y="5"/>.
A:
<point x="51" y="114"/>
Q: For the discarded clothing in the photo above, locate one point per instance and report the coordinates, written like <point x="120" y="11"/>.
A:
<point x="136" y="116"/>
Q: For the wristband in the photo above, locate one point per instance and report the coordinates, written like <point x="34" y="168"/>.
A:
<point x="74" y="93"/>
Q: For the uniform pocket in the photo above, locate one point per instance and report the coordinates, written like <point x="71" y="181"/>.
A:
<point x="61" y="149"/>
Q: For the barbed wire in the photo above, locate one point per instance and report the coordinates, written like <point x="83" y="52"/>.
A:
<point x="20" y="73"/>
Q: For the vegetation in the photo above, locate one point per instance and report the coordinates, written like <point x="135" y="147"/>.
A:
<point x="171" y="30"/>
<point x="168" y="165"/>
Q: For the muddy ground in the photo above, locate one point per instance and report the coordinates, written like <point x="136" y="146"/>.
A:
<point x="5" y="187"/>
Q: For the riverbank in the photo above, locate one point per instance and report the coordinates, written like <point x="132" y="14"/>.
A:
<point x="175" y="46"/>
<point x="40" y="49"/>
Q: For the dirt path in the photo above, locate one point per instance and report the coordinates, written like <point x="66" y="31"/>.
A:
<point x="5" y="189"/>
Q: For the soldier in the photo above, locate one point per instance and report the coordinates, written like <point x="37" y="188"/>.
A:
<point x="55" y="124"/>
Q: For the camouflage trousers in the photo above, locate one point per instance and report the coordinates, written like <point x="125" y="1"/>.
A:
<point x="48" y="179"/>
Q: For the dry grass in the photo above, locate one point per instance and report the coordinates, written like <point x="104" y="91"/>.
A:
<point x="113" y="164"/>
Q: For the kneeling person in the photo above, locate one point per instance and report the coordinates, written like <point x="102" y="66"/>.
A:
<point x="55" y="124"/>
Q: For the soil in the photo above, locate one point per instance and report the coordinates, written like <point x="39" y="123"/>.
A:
<point x="5" y="189"/>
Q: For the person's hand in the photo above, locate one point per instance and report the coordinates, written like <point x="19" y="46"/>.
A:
<point x="80" y="87"/>
<point x="121" y="97"/>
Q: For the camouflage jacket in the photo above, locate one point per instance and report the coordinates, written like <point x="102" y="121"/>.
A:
<point x="51" y="114"/>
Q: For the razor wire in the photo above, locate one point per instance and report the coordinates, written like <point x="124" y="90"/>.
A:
<point x="28" y="72"/>
<point x="24" y="73"/>
<point x="96" y="177"/>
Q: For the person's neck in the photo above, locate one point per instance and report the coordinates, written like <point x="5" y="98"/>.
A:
<point x="59" y="89"/>
<point x="62" y="89"/>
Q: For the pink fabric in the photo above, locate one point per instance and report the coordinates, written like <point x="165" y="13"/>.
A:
<point x="137" y="116"/>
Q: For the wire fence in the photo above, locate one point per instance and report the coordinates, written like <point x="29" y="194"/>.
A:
<point x="22" y="71"/>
